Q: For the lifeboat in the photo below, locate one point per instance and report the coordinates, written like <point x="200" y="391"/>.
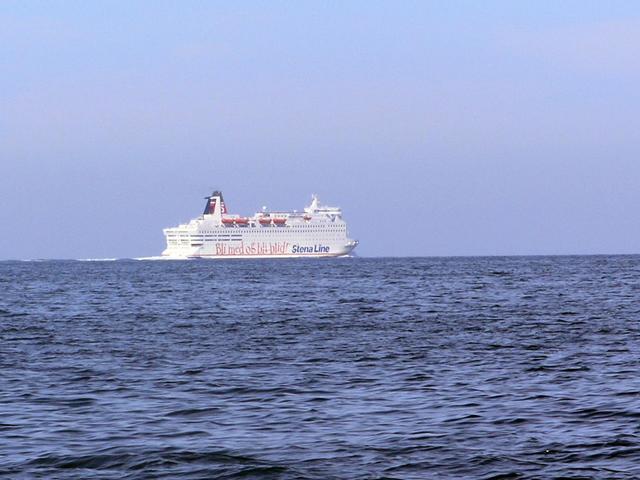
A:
<point x="265" y="221"/>
<point x="227" y="221"/>
<point x="279" y="221"/>
<point x="242" y="221"/>
<point x="307" y="217"/>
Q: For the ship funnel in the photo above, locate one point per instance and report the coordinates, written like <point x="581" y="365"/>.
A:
<point x="215" y="204"/>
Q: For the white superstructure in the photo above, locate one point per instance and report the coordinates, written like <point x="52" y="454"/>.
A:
<point x="318" y="231"/>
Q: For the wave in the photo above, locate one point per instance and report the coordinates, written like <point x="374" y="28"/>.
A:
<point x="160" y="258"/>
<point x="154" y="463"/>
<point x="99" y="259"/>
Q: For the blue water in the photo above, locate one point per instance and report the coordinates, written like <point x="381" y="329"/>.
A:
<point x="321" y="369"/>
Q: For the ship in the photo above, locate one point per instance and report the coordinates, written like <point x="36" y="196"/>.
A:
<point x="317" y="231"/>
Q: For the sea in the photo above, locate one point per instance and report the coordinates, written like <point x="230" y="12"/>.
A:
<point x="354" y="368"/>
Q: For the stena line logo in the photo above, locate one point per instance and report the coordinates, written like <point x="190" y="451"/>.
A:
<point x="313" y="249"/>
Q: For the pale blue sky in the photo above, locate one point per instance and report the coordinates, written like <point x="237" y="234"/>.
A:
<point x="441" y="128"/>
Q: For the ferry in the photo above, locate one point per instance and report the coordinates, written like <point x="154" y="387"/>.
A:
<point x="317" y="231"/>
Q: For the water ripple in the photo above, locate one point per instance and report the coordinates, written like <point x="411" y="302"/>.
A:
<point x="490" y="368"/>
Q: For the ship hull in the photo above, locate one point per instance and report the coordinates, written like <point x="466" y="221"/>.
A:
<point x="222" y="257"/>
<point x="345" y="252"/>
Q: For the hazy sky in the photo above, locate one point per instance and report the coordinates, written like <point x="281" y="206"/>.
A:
<point x="441" y="128"/>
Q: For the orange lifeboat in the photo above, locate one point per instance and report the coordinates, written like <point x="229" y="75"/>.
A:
<point x="265" y="221"/>
<point x="227" y="221"/>
<point x="242" y="221"/>
<point x="279" y="221"/>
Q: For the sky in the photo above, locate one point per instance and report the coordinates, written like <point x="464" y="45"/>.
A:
<point x="441" y="128"/>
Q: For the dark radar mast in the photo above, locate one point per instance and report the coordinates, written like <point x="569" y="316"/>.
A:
<point x="212" y="201"/>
